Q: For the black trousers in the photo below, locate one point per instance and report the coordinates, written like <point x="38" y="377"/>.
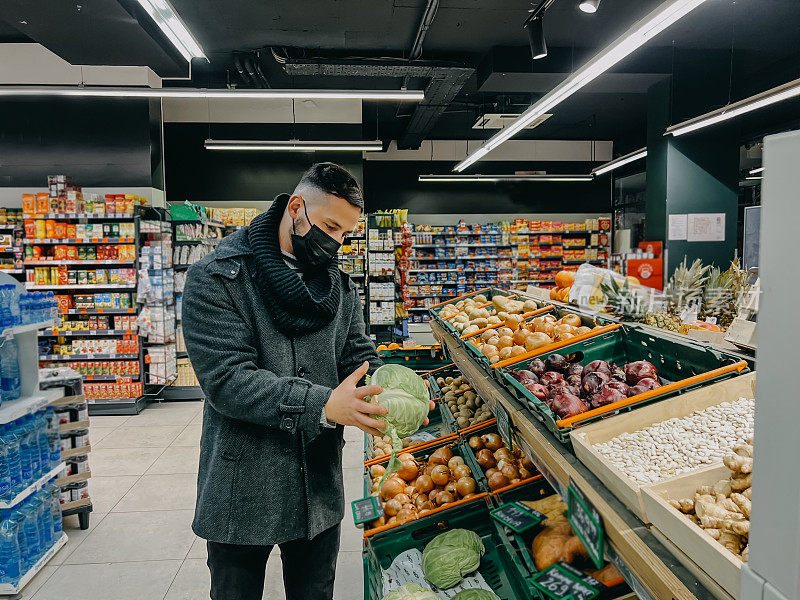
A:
<point x="309" y="566"/>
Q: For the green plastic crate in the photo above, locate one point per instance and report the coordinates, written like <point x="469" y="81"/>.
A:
<point x="520" y="543"/>
<point x="675" y="360"/>
<point x="437" y="427"/>
<point x="419" y="359"/>
<point x="502" y="571"/>
<point x="458" y="447"/>
<point x="449" y="420"/>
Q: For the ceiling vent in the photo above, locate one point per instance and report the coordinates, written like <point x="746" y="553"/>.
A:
<point x="501" y="121"/>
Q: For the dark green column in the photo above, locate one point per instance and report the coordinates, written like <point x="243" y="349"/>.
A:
<point x="694" y="173"/>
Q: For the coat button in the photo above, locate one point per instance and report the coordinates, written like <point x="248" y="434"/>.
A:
<point x="233" y="272"/>
<point x="287" y="424"/>
<point x="301" y="372"/>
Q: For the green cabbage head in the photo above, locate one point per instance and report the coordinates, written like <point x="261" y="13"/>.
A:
<point x="406" y="399"/>
<point x="450" y="556"/>
<point x="476" y="594"/>
<point x="411" y="591"/>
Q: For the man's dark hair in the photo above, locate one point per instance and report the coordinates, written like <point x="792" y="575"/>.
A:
<point x="333" y="179"/>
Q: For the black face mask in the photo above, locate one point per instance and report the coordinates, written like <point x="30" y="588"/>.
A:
<point x="316" y="248"/>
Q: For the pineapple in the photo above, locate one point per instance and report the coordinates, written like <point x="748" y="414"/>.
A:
<point x="664" y="320"/>
<point x="623" y="301"/>
<point x="723" y="293"/>
<point x="685" y="287"/>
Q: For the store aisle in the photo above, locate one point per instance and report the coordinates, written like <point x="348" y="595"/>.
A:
<point x="140" y="543"/>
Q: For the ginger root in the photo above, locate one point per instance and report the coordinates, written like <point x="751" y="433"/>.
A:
<point x="723" y="486"/>
<point x="741" y="527"/>
<point x="743" y="450"/>
<point x="746" y="553"/>
<point x="742" y="502"/>
<point x="748" y="493"/>
<point x="685" y="505"/>
<point x="738" y="464"/>
<point x="741" y="482"/>
<point x="714" y="533"/>
<point x="731" y="541"/>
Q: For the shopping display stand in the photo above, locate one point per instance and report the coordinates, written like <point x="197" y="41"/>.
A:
<point x="646" y="564"/>
<point x="32" y="399"/>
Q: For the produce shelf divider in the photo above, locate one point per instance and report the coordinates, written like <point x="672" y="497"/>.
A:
<point x="647" y="565"/>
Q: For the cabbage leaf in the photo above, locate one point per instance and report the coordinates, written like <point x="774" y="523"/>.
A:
<point x="411" y="591"/>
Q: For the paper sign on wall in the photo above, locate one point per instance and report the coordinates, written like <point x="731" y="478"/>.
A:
<point x="706" y="227"/>
<point x="677" y="226"/>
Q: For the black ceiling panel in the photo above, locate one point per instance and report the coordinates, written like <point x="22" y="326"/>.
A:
<point x="94" y="32"/>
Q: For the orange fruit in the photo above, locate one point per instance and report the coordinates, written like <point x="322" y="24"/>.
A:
<point x="382" y="347"/>
<point x="633" y="279"/>
<point x="564" y="279"/>
<point x="394" y="346"/>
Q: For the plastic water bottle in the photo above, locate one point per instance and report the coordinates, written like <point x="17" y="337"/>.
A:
<point x="9" y="370"/>
<point x="13" y="302"/>
<point x="29" y="451"/>
<point x="19" y="517"/>
<point x="53" y="437"/>
<point x="44" y="442"/>
<point x="5" y="309"/>
<point x="31" y="529"/>
<point x="10" y="557"/>
<point x="5" y="473"/>
<point x="10" y="442"/>
<point x="55" y="508"/>
<point x="44" y="519"/>
<point x="54" y="313"/>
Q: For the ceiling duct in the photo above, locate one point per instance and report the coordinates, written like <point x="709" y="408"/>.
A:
<point x="445" y="82"/>
<point x="501" y="120"/>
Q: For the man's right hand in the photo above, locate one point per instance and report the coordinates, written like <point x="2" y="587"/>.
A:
<point x="346" y="405"/>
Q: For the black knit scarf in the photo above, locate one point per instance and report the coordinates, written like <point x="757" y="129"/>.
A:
<point x="298" y="305"/>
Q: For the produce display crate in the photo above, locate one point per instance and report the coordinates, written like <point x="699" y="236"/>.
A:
<point x="624" y="488"/>
<point x="519" y="544"/>
<point x="682" y="367"/>
<point x="488" y="292"/>
<point x="558" y="312"/>
<point x="449" y="420"/>
<point x="702" y="555"/>
<point x="437" y="428"/>
<point x="419" y="358"/>
<point x="472" y="459"/>
<point x="501" y="570"/>
<point x="421" y="455"/>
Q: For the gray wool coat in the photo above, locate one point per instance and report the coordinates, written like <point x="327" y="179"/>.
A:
<point x="269" y="471"/>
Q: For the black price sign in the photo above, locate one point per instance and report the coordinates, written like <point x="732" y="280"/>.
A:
<point x="503" y="424"/>
<point x="366" y="509"/>
<point x="562" y="582"/>
<point x="587" y="523"/>
<point x="517" y="516"/>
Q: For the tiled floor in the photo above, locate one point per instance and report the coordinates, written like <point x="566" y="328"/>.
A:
<point x="140" y="544"/>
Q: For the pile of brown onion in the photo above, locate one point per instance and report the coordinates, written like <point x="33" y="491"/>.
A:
<point x="418" y="487"/>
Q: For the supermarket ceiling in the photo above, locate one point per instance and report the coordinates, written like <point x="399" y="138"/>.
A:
<point x="477" y="47"/>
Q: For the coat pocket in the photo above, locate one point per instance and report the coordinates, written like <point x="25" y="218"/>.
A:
<point x="233" y="437"/>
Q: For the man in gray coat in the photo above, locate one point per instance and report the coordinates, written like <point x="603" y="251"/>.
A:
<point x="275" y="332"/>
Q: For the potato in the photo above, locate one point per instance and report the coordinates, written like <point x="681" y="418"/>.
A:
<point x="470" y="329"/>
<point x="494" y="320"/>
<point x="486" y="335"/>
<point x="480" y="322"/>
<point x="529" y="305"/>
<point x="494" y="341"/>
<point x="514" y="306"/>
<point x="480" y="298"/>
<point x="504" y="331"/>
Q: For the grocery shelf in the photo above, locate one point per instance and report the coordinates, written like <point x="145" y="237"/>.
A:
<point x="17" y="329"/>
<point x="65" y="454"/>
<point x="10" y="248"/>
<point x="209" y="242"/>
<point x="98" y="311"/>
<point x="77" y="263"/>
<point x="15" y="588"/>
<point x="84" y="332"/>
<point x="209" y="222"/>
<point x="66" y="357"/>
<point x="35" y="486"/>
<point x="11" y="410"/>
<point x="84" y="286"/>
<point x="7" y="227"/>
<point x="646" y="564"/>
<point x="13" y="271"/>
<point x="580" y="262"/>
<point x="88" y="216"/>
<point x="183" y="392"/>
<point x="62" y="481"/>
<point x="121" y="378"/>
<point x="116" y="406"/>
<point x="38" y="241"/>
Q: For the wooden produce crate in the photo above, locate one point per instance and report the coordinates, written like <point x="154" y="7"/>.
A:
<point x="697" y="551"/>
<point x="624" y="488"/>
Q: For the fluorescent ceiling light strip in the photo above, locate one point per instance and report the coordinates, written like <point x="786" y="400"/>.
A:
<point x="771" y="96"/>
<point x="755" y="171"/>
<point x="618" y="162"/>
<point x="641" y="32"/>
<point x="496" y="178"/>
<point x="143" y="92"/>
<point x="170" y="23"/>
<point x="754" y="178"/>
<point x="295" y="145"/>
